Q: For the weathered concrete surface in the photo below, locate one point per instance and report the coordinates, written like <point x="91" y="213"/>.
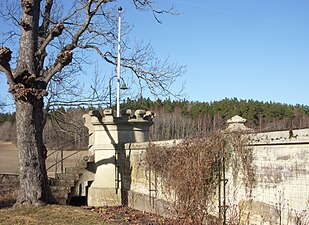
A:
<point x="108" y="134"/>
<point x="145" y="191"/>
<point x="281" y="191"/>
<point x="280" y="160"/>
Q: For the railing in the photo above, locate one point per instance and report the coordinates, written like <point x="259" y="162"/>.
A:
<point x="62" y="158"/>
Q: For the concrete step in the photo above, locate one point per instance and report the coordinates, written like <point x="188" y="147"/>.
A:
<point x="67" y="176"/>
<point x="76" y="170"/>
<point x="62" y="184"/>
<point x="9" y="178"/>
<point x="55" y="189"/>
<point x="65" y="183"/>
<point x="60" y="194"/>
<point x="61" y="201"/>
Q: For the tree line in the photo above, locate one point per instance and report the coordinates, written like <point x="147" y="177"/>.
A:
<point x="175" y="119"/>
<point x="64" y="128"/>
<point x="181" y="118"/>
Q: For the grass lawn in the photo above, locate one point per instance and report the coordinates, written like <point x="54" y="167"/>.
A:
<point x="50" y="214"/>
<point x="66" y="215"/>
<point x="60" y="214"/>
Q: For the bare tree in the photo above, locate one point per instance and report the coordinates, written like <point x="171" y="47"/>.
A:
<point x="1" y="105"/>
<point x="52" y="37"/>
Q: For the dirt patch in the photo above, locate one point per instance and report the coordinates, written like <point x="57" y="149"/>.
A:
<point x="128" y="216"/>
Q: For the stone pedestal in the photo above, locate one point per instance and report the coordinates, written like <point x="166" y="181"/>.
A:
<point x="107" y="139"/>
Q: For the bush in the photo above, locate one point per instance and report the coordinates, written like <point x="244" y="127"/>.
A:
<point x="190" y="171"/>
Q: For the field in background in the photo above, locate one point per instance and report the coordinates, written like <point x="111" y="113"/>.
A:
<point x="9" y="159"/>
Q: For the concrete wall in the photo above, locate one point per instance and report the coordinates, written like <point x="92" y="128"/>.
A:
<point x="280" y="193"/>
<point x="145" y="191"/>
<point x="108" y="134"/>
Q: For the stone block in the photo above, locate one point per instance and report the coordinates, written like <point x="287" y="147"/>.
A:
<point x="139" y="114"/>
<point x="103" y="196"/>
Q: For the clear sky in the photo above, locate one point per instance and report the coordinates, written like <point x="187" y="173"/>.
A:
<point x="248" y="49"/>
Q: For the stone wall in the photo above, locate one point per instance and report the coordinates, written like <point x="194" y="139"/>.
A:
<point x="281" y="190"/>
<point x="108" y="134"/>
<point x="280" y="194"/>
<point x="145" y="191"/>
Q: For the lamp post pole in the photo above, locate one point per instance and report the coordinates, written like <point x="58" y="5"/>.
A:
<point x="122" y="87"/>
<point x="118" y="63"/>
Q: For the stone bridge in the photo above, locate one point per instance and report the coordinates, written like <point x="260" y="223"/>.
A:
<point x="117" y="146"/>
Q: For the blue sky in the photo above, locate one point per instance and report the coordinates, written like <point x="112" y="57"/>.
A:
<point x="248" y="49"/>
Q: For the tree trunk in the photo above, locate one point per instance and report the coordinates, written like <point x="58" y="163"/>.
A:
<point x="34" y="187"/>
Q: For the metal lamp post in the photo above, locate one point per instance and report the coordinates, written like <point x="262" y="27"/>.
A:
<point x="118" y="63"/>
<point x="122" y="87"/>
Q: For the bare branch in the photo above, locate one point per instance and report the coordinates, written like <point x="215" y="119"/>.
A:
<point x="5" y="57"/>
<point x="55" y="31"/>
<point x="46" y="18"/>
<point x="65" y="90"/>
<point x="103" y="55"/>
<point x="65" y="56"/>
<point x="156" y="74"/>
<point x="83" y="28"/>
<point x="10" y="12"/>
<point x="149" y="5"/>
<point x="8" y="36"/>
<point x="63" y="59"/>
<point x="70" y="15"/>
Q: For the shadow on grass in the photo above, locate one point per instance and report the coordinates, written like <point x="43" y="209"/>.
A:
<point x="7" y="203"/>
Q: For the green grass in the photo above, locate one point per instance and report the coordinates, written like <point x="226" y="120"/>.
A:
<point x="50" y="214"/>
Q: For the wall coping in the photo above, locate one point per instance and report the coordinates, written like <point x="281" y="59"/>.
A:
<point x="128" y="117"/>
<point x="297" y="136"/>
<point x="144" y="145"/>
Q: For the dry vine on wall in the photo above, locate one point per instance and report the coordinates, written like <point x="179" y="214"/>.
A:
<point x="189" y="171"/>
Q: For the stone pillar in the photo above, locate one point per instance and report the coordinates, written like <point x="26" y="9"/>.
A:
<point x="109" y="134"/>
<point x="237" y="123"/>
